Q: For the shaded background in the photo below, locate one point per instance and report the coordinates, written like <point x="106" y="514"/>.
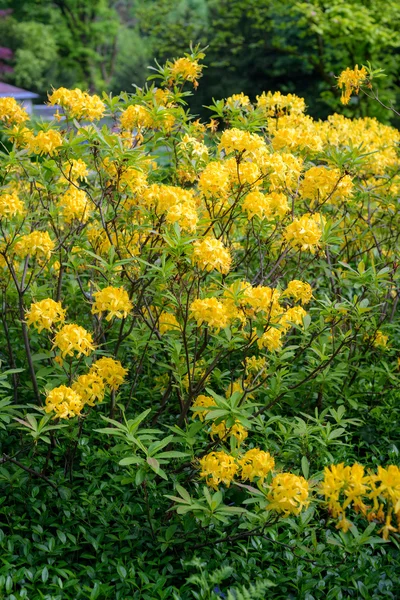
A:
<point x="253" y="45"/>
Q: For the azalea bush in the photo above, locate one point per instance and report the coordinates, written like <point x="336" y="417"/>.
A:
<point x="199" y="346"/>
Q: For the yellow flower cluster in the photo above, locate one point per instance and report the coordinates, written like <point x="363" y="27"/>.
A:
<point x="78" y="104"/>
<point x="210" y="311"/>
<point x="218" y="467"/>
<point x="237" y="140"/>
<point x="299" y="291"/>
<point x="110" y="370"/>
<point x="277" y="104"/>
<point x="321" y="184"/>
<point x="11" y="205"/>
<point x="136" y="116"/>
<point x="223" y="431"/>
<point x="349" y="486"/>
<point x="202" y="402"/>
<point x="74" y="205"/>
<point x="185" y="68"/>
<point x="74" y="170"/>
<point x="256" y="463"/>
<point x="350" y="81"/>
<point x="71" y="339"/>
<point x="12" y="113"/>
<point x="67" y="402"/>
<point x="265" y="206"/>
<point x="304" y="233"/>
<point x="288" y="494"/>
<point x="64" y="402"/>
<point x="179" y="205"/>
<point x="211" y="254"/>
<point x="114" y="301"/>
<point x="45" y="142"/>
<point x="44" y="314"/>
<point x="37" y="243"/>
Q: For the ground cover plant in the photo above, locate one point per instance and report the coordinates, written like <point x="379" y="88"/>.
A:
<point x="199" y="347"/>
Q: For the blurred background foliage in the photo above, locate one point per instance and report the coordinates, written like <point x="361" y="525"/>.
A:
<point x="253" y="45"/>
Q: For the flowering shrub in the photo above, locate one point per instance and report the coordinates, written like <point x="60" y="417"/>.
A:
<point x="212" y="296"/>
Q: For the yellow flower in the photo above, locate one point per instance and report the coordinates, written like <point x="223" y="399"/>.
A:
<point x="64" y="401"/>
<point x="114" y="301"/>
<point x="37" y="243"/>
<point x="294" y="315"/>
<point x="210" y="311"/>
<point x="211" y="254"/>
<point x="350" y="81"/>
<point x="202" y="401"/>
<point x="256" y="463"/>
<point x="11" y="205"/>
<point x="136" y="116"/>
<point x="185" y="68"/>
<point x="90" y="387"/>
<point x="74" y="204"/>
<point x="218" y="467"/>
<point x="45" y="142"/>
<point x="237" y="140"/>
<point x="271" y="339"/>
<point x="264" y="299"/>
<point x="299" y="291"/>
<point x="288" y="494"/>
<point x="74" y="170"/>
<point x="43" y="314"/>
<point x="321" y="184"/>
<point x="167" y="322"/>
<point x="73" y="338"/>
<point x="78" y="104"/>
<point x="343" y="486"/>
<point x="214" y="180"/>
<point x="257" y="204"/>
<point x="276" y="104"/>
<point x="304" y="233"/>
<point x="222" y="431"/>
<point x="380" y="340"/>
<point x="110" y="370"/>
<point x="12" y="113"/>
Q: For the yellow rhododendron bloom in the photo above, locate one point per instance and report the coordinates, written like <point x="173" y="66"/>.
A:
<point x="44" y="314"/>
<point x="74" y="204"/>
<point x="136" y="116"/>
<point x="202" y="401"/>
<point x="288" y="494"/>
<point x="218" y="467"/>
<point x="350" y="81"/>
<point x="90" y="387"/>
<point x="237" y="140"/>
<point x="304" y="233"/>
<point x="222" y="431"/>
<point x="210" y="311"/>
<point x="271" y="339"/>
<point x="299" y="290"/>
<point x="11" y="112"/>
<point x="37" y="243"/>
<point x="187" y="68"/>
<point x="115" y="301"/>
<point x="11" y="205"/>
<point x="78" y="104"/>
<point x="110" y="370"/>
<point x="73" y="339"/>
<point x="45" y="142"/>
<point x="256" y="463"/>
<point x="211" y="254"/>
<point x="64" y="401"/>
